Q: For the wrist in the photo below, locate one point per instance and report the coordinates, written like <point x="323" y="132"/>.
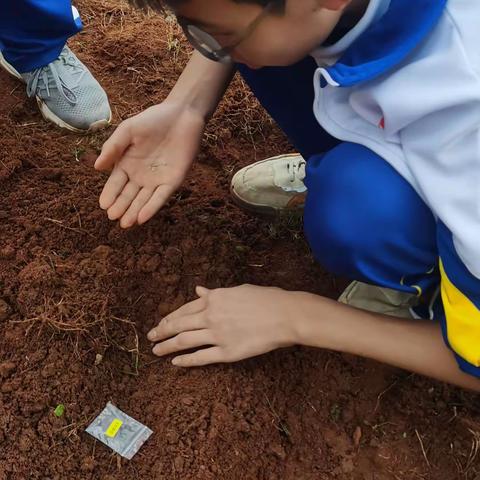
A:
<point x="181" y="113"/>
<point x="188" y="106"/>
<point x="298" y="319"/>
<point x="315" y="322"/>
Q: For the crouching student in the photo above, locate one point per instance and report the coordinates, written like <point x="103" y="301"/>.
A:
<point x="382" y="100"/>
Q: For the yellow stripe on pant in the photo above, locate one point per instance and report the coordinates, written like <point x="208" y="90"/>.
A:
<point x="463" y="321"/>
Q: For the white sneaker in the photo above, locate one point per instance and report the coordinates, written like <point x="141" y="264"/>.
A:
<point x="379" y="300"/>
<point x="67" y="93"/>
<point x="271" y="186"/>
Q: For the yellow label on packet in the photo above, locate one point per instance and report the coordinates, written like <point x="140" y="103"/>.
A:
<point x="114" y="427"/>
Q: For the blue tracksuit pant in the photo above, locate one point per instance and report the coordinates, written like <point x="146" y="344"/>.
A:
<point x="362" y="219"/>
<point x="33" y="32"/>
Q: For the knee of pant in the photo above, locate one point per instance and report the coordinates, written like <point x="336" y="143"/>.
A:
<point x="337" y="240"/>
<point x="331" y="229"/>
<point x="356" y="207"/>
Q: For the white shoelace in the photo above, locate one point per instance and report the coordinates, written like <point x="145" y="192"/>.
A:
<point x="48" y="77"/>
<point x="296" y="167"/>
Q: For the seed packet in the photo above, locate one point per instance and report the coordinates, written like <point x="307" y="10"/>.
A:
<point x="117" y="430"/>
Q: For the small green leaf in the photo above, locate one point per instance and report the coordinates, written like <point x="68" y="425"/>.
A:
<point x="59" y="410"/>
<point x="336" y="412"/>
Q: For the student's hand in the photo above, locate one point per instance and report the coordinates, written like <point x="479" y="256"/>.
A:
<point x="234" y="323"/>
<point x="149" y="156"/>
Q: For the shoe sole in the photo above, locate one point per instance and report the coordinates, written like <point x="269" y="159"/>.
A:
<point x="355" y="295"/>
<point x="47" y="114"/>
<point x="264" y="210"/>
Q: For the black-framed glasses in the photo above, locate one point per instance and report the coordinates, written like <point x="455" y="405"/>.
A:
<point x="206" y="43"/>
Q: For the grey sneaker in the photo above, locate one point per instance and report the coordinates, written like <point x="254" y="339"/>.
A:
<point x="67" y="93"/>
<point x="271" y="186"/>
<point x="379" y="300"/>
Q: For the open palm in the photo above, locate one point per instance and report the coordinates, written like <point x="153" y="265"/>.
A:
<point x="149" y="156"/>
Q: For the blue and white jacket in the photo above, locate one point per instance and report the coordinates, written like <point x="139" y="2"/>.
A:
<point x="405" y="82"/>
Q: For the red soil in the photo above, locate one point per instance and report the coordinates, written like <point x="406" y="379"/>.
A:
<point x="76" y="289"/>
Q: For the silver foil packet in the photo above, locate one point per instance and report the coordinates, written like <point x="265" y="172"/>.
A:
<point x="120" y="432"/>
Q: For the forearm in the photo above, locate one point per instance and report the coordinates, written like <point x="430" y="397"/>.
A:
<point x="416" y="346"/>
<point x="202" y="84"/>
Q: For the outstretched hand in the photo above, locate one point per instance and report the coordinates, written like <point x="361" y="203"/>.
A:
<point x="149" y="156"/>
<point x="234" y="323"/>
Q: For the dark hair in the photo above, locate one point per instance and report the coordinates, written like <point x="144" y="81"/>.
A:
<point x="161" y="4"/>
